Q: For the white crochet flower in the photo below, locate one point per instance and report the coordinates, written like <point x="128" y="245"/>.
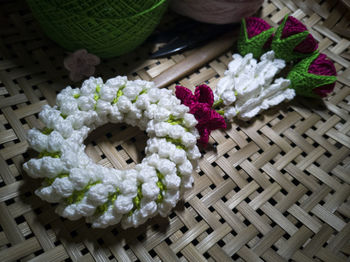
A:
<point x="247" y="88"/>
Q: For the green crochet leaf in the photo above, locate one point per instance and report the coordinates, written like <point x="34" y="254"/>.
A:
<point x="284" y="48"/>
<point x="303" y="82"/>
<point x="254" y="45"/>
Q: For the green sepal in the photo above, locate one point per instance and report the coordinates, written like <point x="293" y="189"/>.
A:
<point x="284" y="48"/>
<point x="304" y="82"/>
<point x="255" y="44"/>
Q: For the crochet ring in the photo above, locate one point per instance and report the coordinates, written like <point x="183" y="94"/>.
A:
<point x="107" y="196"/>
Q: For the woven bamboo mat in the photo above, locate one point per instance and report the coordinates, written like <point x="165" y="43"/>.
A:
<point x="272" y="189"/>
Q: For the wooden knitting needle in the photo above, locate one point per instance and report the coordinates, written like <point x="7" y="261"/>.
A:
<point x="197" y="59"/>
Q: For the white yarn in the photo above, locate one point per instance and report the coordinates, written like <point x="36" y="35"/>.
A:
<point x="247" y="88"/>
<point x="103" y="195"/>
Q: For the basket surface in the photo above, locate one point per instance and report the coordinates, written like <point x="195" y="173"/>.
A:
<point x="103" y="28"/>
<point x="275" y="188"/>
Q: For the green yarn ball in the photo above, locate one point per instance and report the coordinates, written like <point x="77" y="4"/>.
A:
<point x="105" y="28"/>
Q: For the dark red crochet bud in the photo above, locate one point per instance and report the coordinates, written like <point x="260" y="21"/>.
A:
<point x="292" y="41"/>
<point x="294" y="26"/>
<point x="255" y="37"/>
<point x="323" y="66"/>
<point x="314" y="76"/>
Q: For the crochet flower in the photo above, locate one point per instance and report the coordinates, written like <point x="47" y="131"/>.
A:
<point x="255" y="36"/>
<point x="81" y="64"/>
<point x="200" y="105"/>
<point x="292" y="41"/>
<point x="314" y="76"/>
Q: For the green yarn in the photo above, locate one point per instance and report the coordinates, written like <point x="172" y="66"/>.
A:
<point x="161" y="186"/>
<point x="144" y="91"/>
<point x="284" y="48"/>
<point x="105" y="28"/>
<point x="49" y="181"/>
<point x="97" y="95"/>
<point x="78" y="195"/>
<point x="104" y="207"/>
<point x="176" y="142"/>
<point x="254" y="45"/>
<point x="51" y="154"/>
<point x="137" y="200"/>
<point x="303" y="82"/>
<point x="119" y="94"/>
<point x="217" y="103"/>
<point x="220" y="112"/>
<point x="173" y="121"/>
<point x="47" y="131"/>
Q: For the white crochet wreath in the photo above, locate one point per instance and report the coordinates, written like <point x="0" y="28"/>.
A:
<point x="106" y="196"/>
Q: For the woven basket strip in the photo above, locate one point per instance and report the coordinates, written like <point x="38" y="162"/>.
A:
<point x="274" y="188"/>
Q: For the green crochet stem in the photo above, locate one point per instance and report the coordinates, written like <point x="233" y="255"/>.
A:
<point x="303" y="82"/>
<point x="254" y="45"/>
<point x="284" y="48"/>
<point x="217" y="103"/>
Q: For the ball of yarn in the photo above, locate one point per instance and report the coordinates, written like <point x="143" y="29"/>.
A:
<point x="216" y="11"/>
<point x="104" y="28"/>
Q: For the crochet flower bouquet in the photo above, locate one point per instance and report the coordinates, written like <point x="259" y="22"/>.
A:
<point x="174" y="124"/>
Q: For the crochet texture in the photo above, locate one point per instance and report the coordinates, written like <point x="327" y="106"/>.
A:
<point x="107" y="196"/>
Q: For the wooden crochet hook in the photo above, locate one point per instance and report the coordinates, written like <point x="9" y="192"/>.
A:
<point x="197" y="59"/>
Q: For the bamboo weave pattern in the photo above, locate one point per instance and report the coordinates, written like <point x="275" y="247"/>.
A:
<point x="275" y="188"/>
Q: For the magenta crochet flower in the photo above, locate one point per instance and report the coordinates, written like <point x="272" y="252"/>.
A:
<point x="200" y="105"/>
<point x="255" y="37"/>
<point x="81" y="64"/>
<point x="292" y="41"/>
